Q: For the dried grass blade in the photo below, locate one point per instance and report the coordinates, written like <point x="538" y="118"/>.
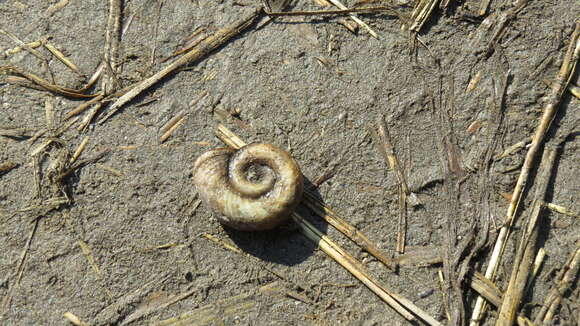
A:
<point x="68" y="92"/>
<point x="348" y="262"/>
<point x="205" y="47"/>
<point x="347" y="229"/>
<point x="527" y="247"/>
<point x="361" y="23"/>
<point x="60" y="56"/>
<point x="550" y="111"/>
<point x="399" y="303"/>
<point x="554" y="297"/>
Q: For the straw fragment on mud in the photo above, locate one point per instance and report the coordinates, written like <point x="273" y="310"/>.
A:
<point x="405" y="307"/>
<point x="205" y="47"/>
<point x="550" y="110"/>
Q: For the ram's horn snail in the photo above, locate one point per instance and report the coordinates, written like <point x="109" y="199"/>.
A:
<point x="253" y="188"/>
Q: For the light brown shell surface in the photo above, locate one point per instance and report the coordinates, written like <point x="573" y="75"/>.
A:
<point x="221" y="179"/>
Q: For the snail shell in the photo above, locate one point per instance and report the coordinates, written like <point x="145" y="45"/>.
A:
<point x="254" y="188"/>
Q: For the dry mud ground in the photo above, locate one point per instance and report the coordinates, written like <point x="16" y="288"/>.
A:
<point x="133" y="239"/>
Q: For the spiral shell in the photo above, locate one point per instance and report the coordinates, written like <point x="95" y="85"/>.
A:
<point x="224" y="181"/>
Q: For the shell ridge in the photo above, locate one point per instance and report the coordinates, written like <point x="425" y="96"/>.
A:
<point x="214" y="179"/>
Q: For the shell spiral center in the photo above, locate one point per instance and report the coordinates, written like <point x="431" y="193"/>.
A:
<point x="253" y="188"/>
